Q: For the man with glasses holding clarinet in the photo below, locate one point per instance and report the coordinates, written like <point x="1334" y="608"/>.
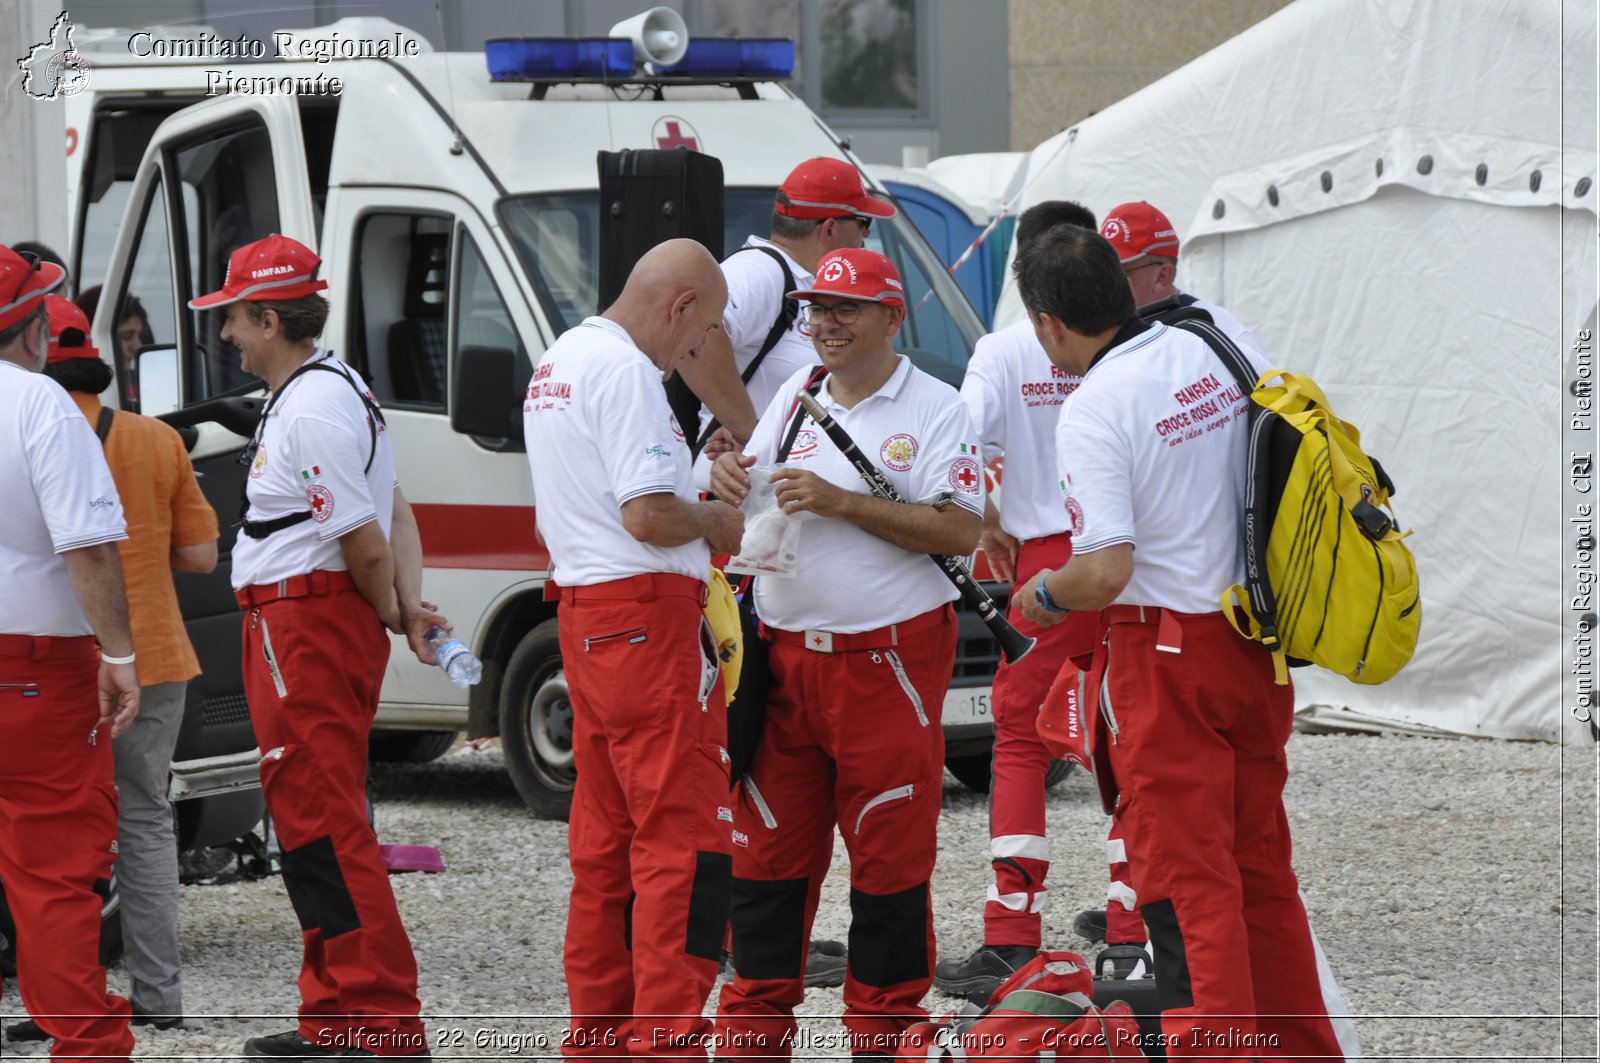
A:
<point x="862" y="647"/>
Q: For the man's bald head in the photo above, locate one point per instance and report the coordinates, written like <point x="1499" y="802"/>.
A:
<point x="673" y="298"/>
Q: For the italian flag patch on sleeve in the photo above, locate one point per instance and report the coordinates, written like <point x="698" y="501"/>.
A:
<point x="311" y="473"/>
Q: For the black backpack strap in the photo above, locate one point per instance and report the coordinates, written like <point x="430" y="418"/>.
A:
<point x="1258" y="504"/>
<point x="260" y="529"/>
<point x="788" y="310"/>
<point x="102" y="427"/>
<point x="797" y="414"/>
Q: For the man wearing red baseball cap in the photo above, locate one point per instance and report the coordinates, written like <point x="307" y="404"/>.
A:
<point x="821" y="206"/>
<point x="62" y="698"/>
<point x="328" y="561"/>
<point x="170" y="526"/>
<point x="1147" y="245"/>
<point x="863" y="643"/>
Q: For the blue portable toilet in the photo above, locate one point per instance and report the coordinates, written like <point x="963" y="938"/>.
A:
<point x="950" y="224"/>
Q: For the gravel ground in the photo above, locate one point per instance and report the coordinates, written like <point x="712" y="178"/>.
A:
<point x="1452" y="884"/>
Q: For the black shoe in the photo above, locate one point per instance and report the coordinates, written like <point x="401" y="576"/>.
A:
<point x="979" y="975"/>
<point x="160" y="1022"/>
<point x="825" y="964"/>
<point x="26" y="1030"/>
<point x="286" y="1045"/>
<point x="1091" y="924"/>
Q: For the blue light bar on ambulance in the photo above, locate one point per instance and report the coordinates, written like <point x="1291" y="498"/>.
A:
<point x="733" y="57"/>
<point x="529" y="58"/>
<point x="766" y="57"/>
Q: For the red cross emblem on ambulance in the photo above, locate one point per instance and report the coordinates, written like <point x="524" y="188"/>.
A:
<point x="670" y="132"/>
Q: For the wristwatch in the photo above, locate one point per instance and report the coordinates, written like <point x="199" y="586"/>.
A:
<point x="1047" y="603"/>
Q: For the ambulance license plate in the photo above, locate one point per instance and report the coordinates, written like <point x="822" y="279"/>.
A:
<point x="966" y="705"/>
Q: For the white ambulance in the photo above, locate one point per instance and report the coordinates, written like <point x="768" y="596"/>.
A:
<point x="458" y="221"/>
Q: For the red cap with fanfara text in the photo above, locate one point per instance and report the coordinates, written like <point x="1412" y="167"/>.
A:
<point x="856" y="273"/>
<point x="275" y="267"/>
<point x="24" y="279"/>
<point x="69" y="330"/>
<point x="828" y="188"/>
<point x="1138" y="229"/>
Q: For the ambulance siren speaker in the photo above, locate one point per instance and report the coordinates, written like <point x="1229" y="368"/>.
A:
<point x="659" y="36"/>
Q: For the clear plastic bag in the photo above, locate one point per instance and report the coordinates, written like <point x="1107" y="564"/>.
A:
<point x="771" y="536"/>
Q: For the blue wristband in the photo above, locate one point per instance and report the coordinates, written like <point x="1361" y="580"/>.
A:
<point x="1042" y="593"/>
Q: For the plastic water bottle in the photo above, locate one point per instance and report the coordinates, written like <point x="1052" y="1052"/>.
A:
<point x="458" y="662"/>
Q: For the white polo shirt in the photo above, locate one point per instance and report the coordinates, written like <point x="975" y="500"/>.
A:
<point x="1014" y="395"/>
<point x="58" y="496"/>
<point x="916" y="430"/>
<point x="599" y="432"/>
<point x="313" y="453"/>
<point x="755" y="296"/>
<point x="1152" y="452"/>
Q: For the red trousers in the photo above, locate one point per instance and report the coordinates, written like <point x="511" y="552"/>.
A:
<point x="1198" y="753"/>
<point x="1124" y="922"/>
<point x="1017" y="845"/>
<point x="313" y="665"/>
<point x="852" y="739"/>
<point x="651" y="819"/>
<point x="58" y="833"/>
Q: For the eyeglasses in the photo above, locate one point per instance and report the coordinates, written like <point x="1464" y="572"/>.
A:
<point x="860" y="219"/>
<point x="1146" y="265"/>
<point x="843" y="313"/>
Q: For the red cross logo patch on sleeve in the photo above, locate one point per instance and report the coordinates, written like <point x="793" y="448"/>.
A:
<point x="964" y="476"/>
<point x="321" y="500"/>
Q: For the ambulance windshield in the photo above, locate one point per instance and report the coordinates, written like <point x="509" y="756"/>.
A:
<point x="558" y="237"/>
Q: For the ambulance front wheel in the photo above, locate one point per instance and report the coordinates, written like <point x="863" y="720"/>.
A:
<point x="536" y="724"/>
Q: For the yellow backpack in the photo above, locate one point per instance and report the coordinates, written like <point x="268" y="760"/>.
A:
<point x="1328" y="578"/>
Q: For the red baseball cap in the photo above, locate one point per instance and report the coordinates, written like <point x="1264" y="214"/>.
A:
<point x="274" y="267"/>
<point x="25" y="278"/>
<point x="856" y="273"/>
<point x="827" y="188"/>
<point x="1138" y="229"/>
<point x="69" y="331"/>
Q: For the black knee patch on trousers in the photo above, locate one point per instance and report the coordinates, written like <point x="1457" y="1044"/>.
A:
<point x="768" y="923"/>
<point x="1173" y="988"/>
<point x="889" y="936"/>
<point x="317" y="890"/>
<point x="708" y="905"/>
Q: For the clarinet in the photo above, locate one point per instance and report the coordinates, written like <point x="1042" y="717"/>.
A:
<point x="1014" y="645"/>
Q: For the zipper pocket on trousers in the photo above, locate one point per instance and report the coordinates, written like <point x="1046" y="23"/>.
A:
<point x="767" y="818"/>
<point x="907" y="791"/>
<point x="1106" y="709"/>
<point x="905" y="684"/>
<point x="634" y="635"/>
<point x="272" y="661"/>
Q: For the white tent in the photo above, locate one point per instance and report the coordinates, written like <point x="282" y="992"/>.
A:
<point x="1398" y="197"/>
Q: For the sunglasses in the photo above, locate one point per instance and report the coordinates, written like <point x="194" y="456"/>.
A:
<point x="860" y="219"/>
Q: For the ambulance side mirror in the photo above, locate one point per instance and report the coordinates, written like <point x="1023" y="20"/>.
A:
<point x="488" y="396"/>
<point x="155" y="369"/>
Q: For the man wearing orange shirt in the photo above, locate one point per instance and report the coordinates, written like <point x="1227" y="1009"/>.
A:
<point x="171" y="526"/>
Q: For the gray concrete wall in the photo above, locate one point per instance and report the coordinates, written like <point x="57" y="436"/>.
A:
<point x="1072" y="58"/>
